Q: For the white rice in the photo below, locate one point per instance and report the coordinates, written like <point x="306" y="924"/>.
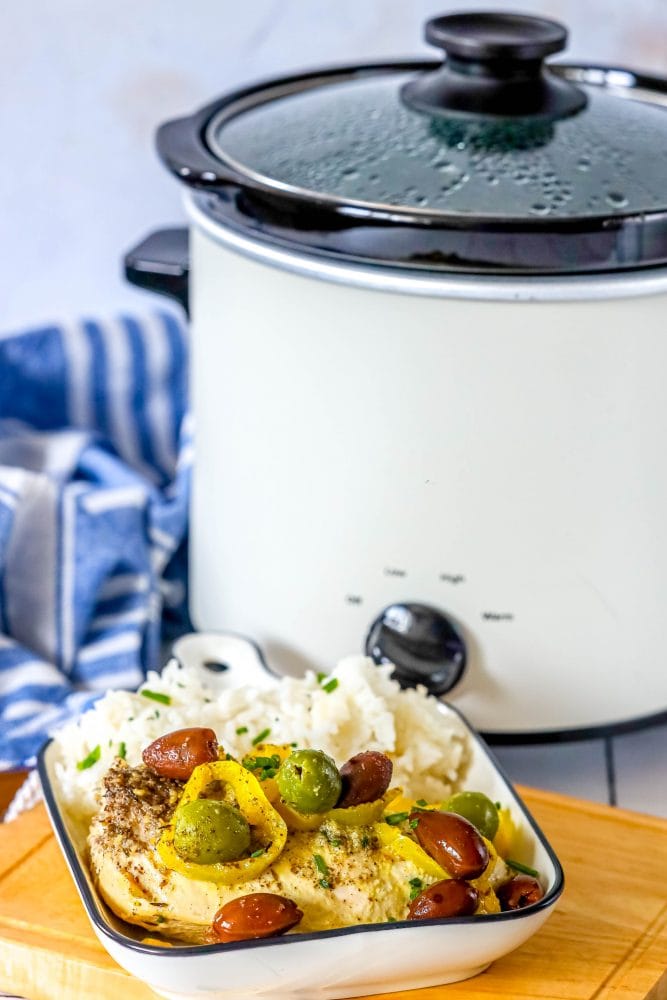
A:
<point x="365" y="711"/>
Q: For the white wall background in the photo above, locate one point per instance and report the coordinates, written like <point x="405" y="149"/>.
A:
<point x="83" y="84"/>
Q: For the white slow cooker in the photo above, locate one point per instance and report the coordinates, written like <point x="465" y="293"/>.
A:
<point x="429" y="349"/>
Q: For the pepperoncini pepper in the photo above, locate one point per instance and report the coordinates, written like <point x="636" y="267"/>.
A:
<point x="364" y="814"/>
<point x="269" y="829"/>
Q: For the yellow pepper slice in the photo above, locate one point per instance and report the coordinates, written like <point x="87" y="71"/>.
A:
<point x="269" y="828"/>
<point x="365" y="814"/>
<point x="404" y="847"/>
<point x="362" y="815"/>
<point x="505" y="834"/>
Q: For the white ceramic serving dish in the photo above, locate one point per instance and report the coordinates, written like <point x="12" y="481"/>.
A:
<point x="349" y="962"/>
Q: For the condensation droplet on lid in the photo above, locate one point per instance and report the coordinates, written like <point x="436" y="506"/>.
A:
<point x="583" y="163"/>
<point x="539" y="208"/>
<point x="350" y="174"/>
<point x="616" y="199"/>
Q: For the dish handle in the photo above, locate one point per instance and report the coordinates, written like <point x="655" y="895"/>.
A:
<point x="224" y="660"/>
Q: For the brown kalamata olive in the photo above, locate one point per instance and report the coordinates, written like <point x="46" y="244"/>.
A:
<point x="520" y="891"/>
<point x="177" y="754"/>
<point x="452" y="897"/>
<point x="366" y="777"/>
<point x="453" y="842"/>
<point x="257" y="915"/>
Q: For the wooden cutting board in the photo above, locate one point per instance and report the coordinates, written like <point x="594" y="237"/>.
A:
<point x="606" y="939"/>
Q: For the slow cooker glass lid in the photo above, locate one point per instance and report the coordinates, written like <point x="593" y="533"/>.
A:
<point x="491" y="161"/>
<point x="353" y="140"/>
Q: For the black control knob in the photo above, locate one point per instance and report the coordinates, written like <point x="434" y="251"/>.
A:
<point x="422" y="643"/>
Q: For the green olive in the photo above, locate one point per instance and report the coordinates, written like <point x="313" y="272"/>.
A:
<point x="308" y="781"/>
<point x="477" y="808"/>
<point x="207" y="831"/>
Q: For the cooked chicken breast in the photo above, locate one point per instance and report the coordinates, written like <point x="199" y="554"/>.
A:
<point x="364" y="882"/>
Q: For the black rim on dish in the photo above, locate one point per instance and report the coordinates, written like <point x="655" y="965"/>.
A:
<point x="404" y="237"/>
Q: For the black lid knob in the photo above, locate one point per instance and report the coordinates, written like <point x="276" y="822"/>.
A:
<point x="482" y="36"/>
<point x="494" y="68"/>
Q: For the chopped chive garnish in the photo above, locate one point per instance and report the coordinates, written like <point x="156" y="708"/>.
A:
<point x="320" y="677"/>
<point x="325" y="884"/>
<point x="122" y="751"/>
<point x="330" y="685"/>
<point x="320" y="864"/>
<point x="517" y="866"/>
<point x="336" y="842"/>
<point x="498" y="805"/>
<point x="395" y="818"/>
<point x="267" y="766"/>
<point x="164" y="699"/>
<point x="365" y="841"/>
<point x="414" y="823"/>
<point x="260" y="737"/>
<point x="91" y="759"/>
<point x="258" y="853"/>
<point x="416" y="886"/>
<point x="241" y="730"/>
<point x="294" y="744"/>
<point x="422" y="802"/>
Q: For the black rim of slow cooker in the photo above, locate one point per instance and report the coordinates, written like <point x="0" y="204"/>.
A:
<point x="355" y="233"/>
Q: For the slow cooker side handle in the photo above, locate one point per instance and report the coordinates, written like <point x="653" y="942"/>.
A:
<point x="161" y="263"/>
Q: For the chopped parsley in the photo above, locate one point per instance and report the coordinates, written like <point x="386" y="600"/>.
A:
<point x="160" y="919"/>
<point x="294" y="744"/>
<point x="330" y="685"/>
<point x="122" y="751"/>
<point x="164" y="699"/>
<point x="393" y="819"/>
<point x="414" y="823"/>
<point x="416" y="886"/>
<point x="365" y="841"/>
<point x="260" y="737"/>
<point x="325" y="884"/>
<point x="91" y="759"/>
<point x="320" y="677"/>
<point x="422" y="802"/>
<point x="524" y="869"/>
<point x="241" y="730"/>
<point x="258" y="853"/>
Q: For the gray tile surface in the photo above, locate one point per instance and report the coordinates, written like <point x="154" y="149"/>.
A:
<point x="638" y="776"/>
<point x="641" y="770"/>
<point x="572" y="768"/>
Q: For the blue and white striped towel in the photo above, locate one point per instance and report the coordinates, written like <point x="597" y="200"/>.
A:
<point x="95" y="455"/>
